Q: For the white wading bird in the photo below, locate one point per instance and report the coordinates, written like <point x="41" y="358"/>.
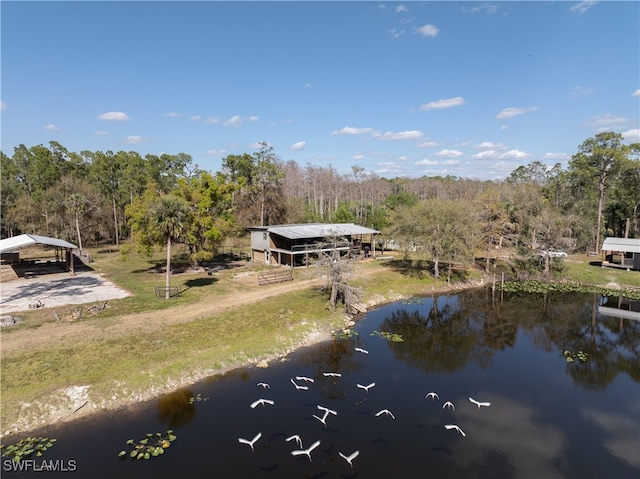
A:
<point x="349" y="458"/>
<point x="453" y="426"/>
<point x="449" y="405"/>
<point x="261" y="402"/>
<point x="296" y="438"/>
<point x="478" y="403"/>
<point x="263" y="385"/>
<point x="252" y="442"/>
<point x="306" y="452"/>
<point x="305" y="379"/>
<point x="433" y="396"/>
<point x="385" y="411"/>
<point x="367" y="387"/>
<point x="333" y="375"/>
<point x="298" y="387"/>
<point x="322" y="419"/>
<point x="327" y="410"/>
<point x="363" y="351"/>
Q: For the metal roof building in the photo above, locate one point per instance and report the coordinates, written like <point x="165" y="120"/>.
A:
<point x="293" y="244"/>
<point x="12" y="266"/>
<point x="621" y="252"/>
<point x="22" y="241"/>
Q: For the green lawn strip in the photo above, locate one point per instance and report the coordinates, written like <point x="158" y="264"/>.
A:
<point x="143" y="362"/>
<point x="593" y="274"/>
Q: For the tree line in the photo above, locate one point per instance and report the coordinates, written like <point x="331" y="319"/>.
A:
<point x="125" y="198"/>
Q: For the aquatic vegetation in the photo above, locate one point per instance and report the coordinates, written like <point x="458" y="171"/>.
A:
<point x="151" y="446"/>
<point x="413" y="301"/>
<point x="345" y="334"/>
<point x="394" y="337"/>
<point x="197" y="398"/>
<point x="26" y="447"/>
<point x="571" y="356"/>
<point x="542" y="287"/>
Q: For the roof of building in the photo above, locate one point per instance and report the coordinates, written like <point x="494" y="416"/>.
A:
<point x="316" y="230"/>
<point x="628" y="245"/>
<point x="22" y="241"/>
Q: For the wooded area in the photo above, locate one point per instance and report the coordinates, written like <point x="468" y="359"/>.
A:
<point x="143" y="202"/>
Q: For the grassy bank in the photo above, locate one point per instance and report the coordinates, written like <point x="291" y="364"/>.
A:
<point x="148" y="357"/>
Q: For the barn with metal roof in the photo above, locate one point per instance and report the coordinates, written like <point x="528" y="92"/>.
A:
<point x="296" y="244"/>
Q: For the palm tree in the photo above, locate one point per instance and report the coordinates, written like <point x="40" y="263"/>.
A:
<point x="168" y="219"/>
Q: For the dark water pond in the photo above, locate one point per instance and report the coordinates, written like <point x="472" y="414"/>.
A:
<point x="549" y="417"/>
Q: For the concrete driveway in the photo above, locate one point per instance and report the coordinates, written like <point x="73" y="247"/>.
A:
<point x="57" y="290"/>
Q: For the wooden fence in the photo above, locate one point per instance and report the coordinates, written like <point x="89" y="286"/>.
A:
<point x="275" y="277"/>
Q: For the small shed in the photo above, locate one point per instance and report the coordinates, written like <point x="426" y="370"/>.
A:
<point x="12" y="263"/>
<point x="621" y="253"/>
<point x="294" y="244"/>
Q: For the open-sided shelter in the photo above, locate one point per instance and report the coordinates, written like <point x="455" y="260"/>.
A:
<point x="621" y="253"/>
<point x="296" y="244"/>
<point x="14" y="266"/>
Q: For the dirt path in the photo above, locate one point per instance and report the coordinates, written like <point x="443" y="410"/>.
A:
<point x="61" y="331"/>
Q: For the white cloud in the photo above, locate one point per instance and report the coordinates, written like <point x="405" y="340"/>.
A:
<point x="635" y="93"/>
<point x="632" y="135"/>
<point x="448" y="153"/>
<point x="51" y="127"/>
<point x="608" y="120"/>
<point x="511" y="112"/>
<point x="101" y="132"/>
<point x="235" y="120"/>
<point x="426" y="162"/>
<point x="395" y="33"/>
<point x="582" y="7"/>
<point x="487" y="145"/>
<point x="451" y="162"/>
<point x="357" y="156"/>
<point x="214" y="152"/>
<point x="195" y="118"/>
<point x="556" y="156"/>
<point x="485" y="155"/>
<point x="514" y="155"/>
<point x="298" y="146"/>
<point x="254" y="118"/>
<point x="349" y="130"/>
<point x="3" y="105"/>
<point x="441" y="104"/>
<point x="213" y="120"/>
<point x="428" y="30"/>
<point x="401" y="8"/>
<point x="486" y="7"/>
<point x="504" y="127"/>
<point x="134" y="140"/>
<point x="400" y="135"/>
<point x="114" y="116"/>
<point x="428" y="144"/>
<point x="308" y="85"/>
<point x="583" y="91"/>
<point x="174" y="114"/>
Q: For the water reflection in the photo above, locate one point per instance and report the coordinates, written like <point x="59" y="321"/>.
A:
<point x="177" y="408"/>
<point x="548" y="417"/>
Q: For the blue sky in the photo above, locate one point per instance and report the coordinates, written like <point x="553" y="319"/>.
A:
<point x="470" y="89"/>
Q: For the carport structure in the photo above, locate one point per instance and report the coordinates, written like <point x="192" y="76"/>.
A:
<point x="13" y="266"/>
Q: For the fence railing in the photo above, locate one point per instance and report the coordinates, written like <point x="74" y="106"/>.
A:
<point x="272" y="277"/>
